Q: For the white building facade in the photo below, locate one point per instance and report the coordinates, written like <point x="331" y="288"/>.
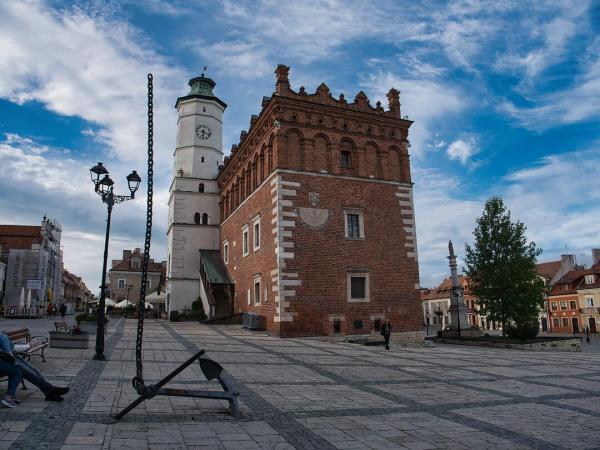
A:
<point x="194" y="216"/>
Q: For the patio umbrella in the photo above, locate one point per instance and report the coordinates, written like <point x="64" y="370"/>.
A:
<point x="124" y="304"/>
<point x="109" y="302"/>
<point x="22" y="298"/>
<point x="28" y="298"/>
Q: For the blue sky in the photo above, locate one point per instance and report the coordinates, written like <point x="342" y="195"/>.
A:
<point x="505" y="97"/>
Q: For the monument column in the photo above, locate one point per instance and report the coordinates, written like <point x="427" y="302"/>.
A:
<point x="458" y="309"/>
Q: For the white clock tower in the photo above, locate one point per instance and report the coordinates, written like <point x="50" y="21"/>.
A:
<point x="193" y="222"/>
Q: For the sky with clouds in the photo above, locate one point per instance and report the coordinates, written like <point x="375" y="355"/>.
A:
<point x="505" y="98"/>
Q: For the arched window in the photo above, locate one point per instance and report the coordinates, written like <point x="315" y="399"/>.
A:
<point x="201" y="187"/>
<point x="197" y="218"/>
<point x="204" y="219"/>
<point x="345" y="158"/>
<point x="202" y="159"/>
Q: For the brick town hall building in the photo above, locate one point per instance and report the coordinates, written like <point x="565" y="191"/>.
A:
<point x="309" y="222"/>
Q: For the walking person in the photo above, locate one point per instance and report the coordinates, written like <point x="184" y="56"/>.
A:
<point x="386" y="331"/>
<point x="587" y="335"/>
<point x="63" y="310"/>
<point x="49" y="310"/>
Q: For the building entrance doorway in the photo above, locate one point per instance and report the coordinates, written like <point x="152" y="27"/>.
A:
<point x="592" y="322"/>
<point x="544" y="324"/>
<point x="575" y="323"/>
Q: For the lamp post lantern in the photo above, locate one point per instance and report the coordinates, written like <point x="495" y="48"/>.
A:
<point x="104" y="187"/>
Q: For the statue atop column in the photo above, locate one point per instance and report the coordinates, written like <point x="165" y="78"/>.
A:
<point x="458" y="309"/>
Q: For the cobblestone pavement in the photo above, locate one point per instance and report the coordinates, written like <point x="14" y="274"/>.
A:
<point x="312" y="394"/>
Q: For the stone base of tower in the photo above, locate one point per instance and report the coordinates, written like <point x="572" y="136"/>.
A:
<point x="181" y="293"/>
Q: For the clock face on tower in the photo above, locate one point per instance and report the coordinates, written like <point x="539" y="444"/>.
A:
<point x="203" y="132"/>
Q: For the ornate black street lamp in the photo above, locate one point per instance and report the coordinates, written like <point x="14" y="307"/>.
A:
<point x="104" y="188"/>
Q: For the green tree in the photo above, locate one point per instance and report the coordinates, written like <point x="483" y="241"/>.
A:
<point x="501" y="265"/>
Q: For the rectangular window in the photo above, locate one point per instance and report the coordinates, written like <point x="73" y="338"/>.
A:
<point x="358" y="287"/>
<point x="565" y="321"/>
<point x="563" y="306"/>
<point x="589" y="279"/>
<point x="226" y="251"/>
<point x="573" y="304"/>
<point x="357" y="325"/>
<point x="245" y="240"/>
<point x="256" y="232"/>
<point x="345" y="159"/>
<point x="556" y="322"/>
<point x="257" y="290"/>
<point x="554" y="306"/>
<point x="589" y="302"/>
<point x="354" y="224"/>
<point x="121" y="283"/>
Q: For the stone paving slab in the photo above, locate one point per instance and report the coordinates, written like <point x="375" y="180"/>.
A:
<point x="439" y="393"/>
<point x="310" y="394"/>
<point x="289" y="397"/>
<point x="550" y="424"/>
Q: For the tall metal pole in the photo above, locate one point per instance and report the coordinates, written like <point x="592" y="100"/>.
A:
<point x="100" y="331"/>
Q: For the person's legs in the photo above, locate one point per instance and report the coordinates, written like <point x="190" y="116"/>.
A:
<point x="387" y="341"/>
<point x="14" y="378"/>
<point x="34" y="376"/>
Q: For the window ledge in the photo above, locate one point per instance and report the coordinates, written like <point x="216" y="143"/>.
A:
<point x="358" y="300"/>
<point x="355" y="238"/>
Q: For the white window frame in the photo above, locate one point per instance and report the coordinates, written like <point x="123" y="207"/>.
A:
<point x="589" y="302"/>
<point x="255" y="223"/>
<point x="256" y="282"/>
<point x="349" y="276"/>
<point x="589" y="279"/>
<point x="245" y="241"/>
<point x="121" y="283"/>
<point x="226" y="251"/>
<point x="249" y="298"/>
<point x="361" y="223"/>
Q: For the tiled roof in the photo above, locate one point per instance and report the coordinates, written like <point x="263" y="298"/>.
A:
<point x="443" y="290"/>
<point x="125" y="266"/>
<point x="20" y="230"/>
<point x="19" y="236"/>
<point x="548" y="269"/>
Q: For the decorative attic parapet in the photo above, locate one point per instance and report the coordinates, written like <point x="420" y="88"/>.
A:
<point x="322" y="96"/>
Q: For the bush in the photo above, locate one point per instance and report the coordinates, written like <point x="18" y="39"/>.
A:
<point x="84" y="317"/>
<point x="524" y="330"/>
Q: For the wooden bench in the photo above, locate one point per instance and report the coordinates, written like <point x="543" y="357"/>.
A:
<point x="37" y="344"/>
<point x="61" y="326"/>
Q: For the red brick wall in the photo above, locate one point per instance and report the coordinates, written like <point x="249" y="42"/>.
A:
<point x="262" y="262"/>
<point x="322" y="258"/>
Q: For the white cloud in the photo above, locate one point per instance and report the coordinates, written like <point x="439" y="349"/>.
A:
<point x="90" y="67"/>
<point x="36" y="180"/>
<point x="245" y="59"/>
<point x="462" y="150"/>
<point x="555" y="199"/>
<point x="424" y="101"/>
<point x="578" y="103"/>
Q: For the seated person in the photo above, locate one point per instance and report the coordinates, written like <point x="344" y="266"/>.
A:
<point x="16" y="368"/>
